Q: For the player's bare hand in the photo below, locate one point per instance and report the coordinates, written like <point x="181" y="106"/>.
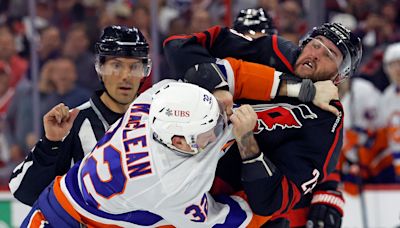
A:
<point x="225" y="98"/>
<point x="244" y="120"/>
<point x="58" y="122"/>
<point x="325" y="92"/>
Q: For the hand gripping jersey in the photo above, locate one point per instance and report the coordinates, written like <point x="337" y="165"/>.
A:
<point x="130" y="180"/>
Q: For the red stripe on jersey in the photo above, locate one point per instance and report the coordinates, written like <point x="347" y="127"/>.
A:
<point x="221" y="187"/>
<point x="333" y="177"/>
<point x="214" y="32"/>
<point x="176" y="37"/>
<point x="279" y="53"/>
<point x="296" y="195"/>
<point x="298" y="217"/>
<point x="201" y="38"/>
<point x="332" y="149"/>
<point x="285" y="195"/>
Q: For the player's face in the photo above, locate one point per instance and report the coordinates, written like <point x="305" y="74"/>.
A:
<point x="393" y="69"/>
<point x="121" y="77"/>
<point x="203" y="140"/>
<point x="319" y="60"/>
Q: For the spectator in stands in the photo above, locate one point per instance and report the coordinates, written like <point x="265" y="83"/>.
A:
<point x="6" y="91"/>
<point x="9" y="155"/>
<point x="50" y="44"/>
<point x="141" y="19"/>
<point x="290" y="18"/>
<point x="67" y="12"/>
<point x="8" y="54"/>
<point x="122" y="12"/>
<point x="76" y="47"/>
<point x="21" y="124"/>
<point x="200" y="21"/>
<point x="63" y="74"/>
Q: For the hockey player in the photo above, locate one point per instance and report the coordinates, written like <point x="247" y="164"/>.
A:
<point x="157" y="162"/>
<point x="385" y="165"/>
<point x="360" y="103"/>
<point x="122" y="62"/>
<point x="256" y="23"/>
<point x="299" y="142"/>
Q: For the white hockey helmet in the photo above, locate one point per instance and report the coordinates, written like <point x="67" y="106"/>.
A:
<point x="392" y="53"/>
<point x="184" y="109"/>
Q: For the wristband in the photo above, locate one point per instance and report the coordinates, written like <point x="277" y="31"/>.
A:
<point x="293" y="89"/>
<point x="330" y="198"/>
<point x="307" y="91"/>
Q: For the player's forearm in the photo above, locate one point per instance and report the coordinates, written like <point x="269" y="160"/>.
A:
<point x="248" y="147"/>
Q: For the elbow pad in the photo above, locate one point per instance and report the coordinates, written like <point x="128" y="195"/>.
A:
<point x="258" y="168"/>
<point x="207" y="76"/>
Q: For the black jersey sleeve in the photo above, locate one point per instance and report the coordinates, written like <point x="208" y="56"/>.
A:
<point x="184" y="51"/>
<point x="46" y="161"/>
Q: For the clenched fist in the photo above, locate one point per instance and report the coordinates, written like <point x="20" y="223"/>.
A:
<point x="58" y="122"/>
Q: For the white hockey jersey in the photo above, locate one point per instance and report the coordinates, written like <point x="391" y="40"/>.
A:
<point x="131" y="180"/>
<point x="360" y="106"/>
<point x="389" y="120"/>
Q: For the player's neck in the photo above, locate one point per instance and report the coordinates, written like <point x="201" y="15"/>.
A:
<point x="113" y="105"/>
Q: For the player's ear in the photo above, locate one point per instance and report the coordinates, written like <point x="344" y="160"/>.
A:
<point x="179" y="142"/>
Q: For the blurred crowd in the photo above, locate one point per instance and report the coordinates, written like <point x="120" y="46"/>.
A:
<point x="68" y="29"/>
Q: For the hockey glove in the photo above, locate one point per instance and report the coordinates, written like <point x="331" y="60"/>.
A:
<point x="326" y="210"/>
<point x="207" y="76"/>
<point x="303" y="89"/>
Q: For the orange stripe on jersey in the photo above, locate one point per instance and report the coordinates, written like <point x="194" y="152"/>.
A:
<point x="64" y="201"/>
<point x="351" y="188"/>
<point x="256" y="220"/>
<point x="228" y="145"/>
<point x="383" y="164"/>
<point x="37" y="220"/>
<point x="67" y="206"/>
<point x="252" y="80"/>
<point x="279" y="53"/>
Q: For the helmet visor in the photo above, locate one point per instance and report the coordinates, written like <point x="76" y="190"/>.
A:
<point x="344" y="69"/>
<point x="343" y="65"/>
<point x="140" y="69"/>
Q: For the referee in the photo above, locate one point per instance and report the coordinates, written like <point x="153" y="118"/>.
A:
<point x="122" y="61"/>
